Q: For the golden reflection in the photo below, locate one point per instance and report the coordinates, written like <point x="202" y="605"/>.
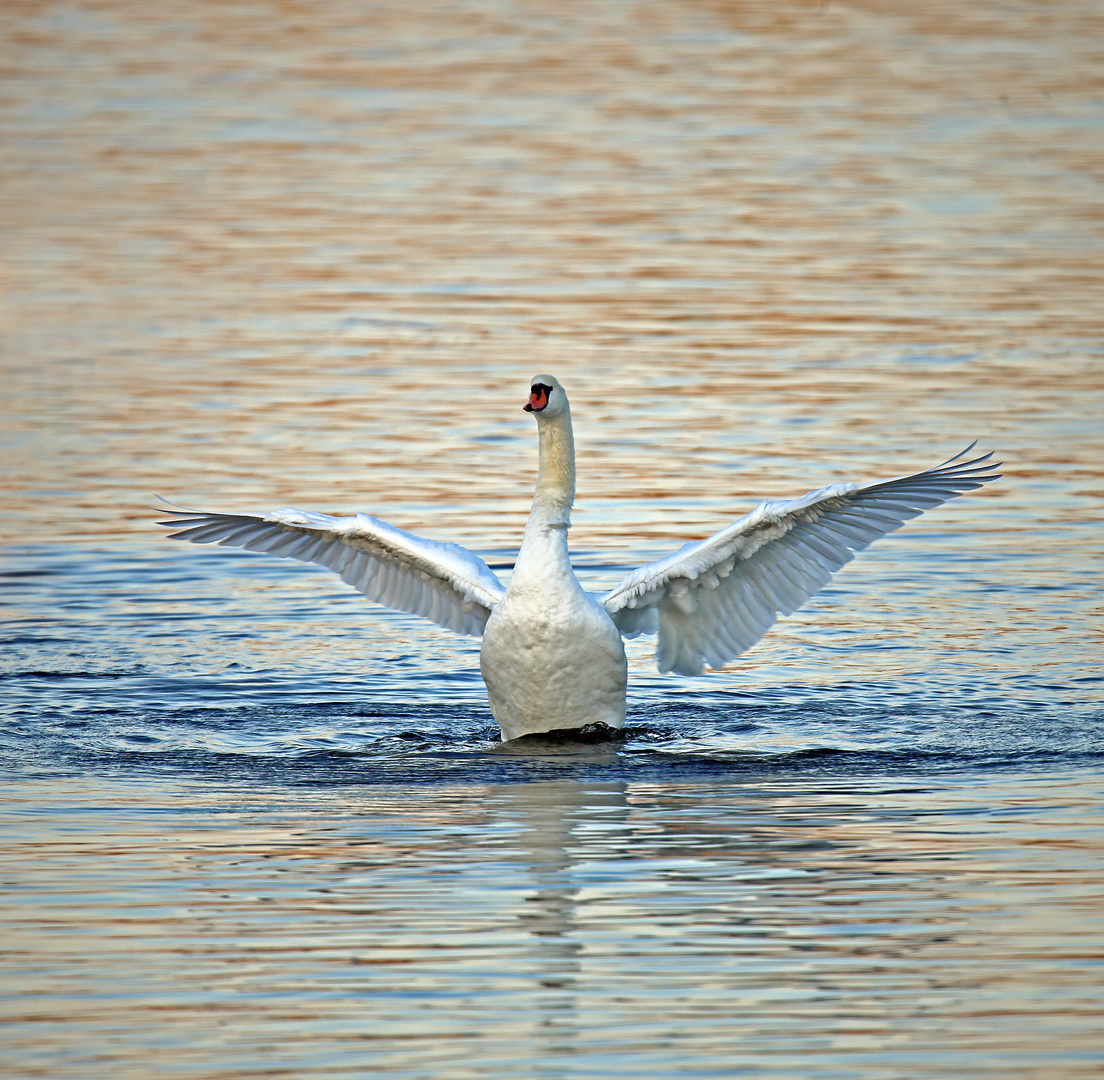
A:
<point x="311" y="258"/>
<point x="589" y="911"/>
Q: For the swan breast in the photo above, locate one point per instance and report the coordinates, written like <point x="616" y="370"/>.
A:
<point x="552" y="659"/>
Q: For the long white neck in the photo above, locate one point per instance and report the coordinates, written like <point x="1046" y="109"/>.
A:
<point x="556" y="470"/>
<point x="550" y="518"/>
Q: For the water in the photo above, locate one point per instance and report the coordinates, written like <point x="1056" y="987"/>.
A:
<point x="260" y="255"/>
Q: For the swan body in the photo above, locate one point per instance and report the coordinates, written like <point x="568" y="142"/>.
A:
<point x="551" y="654"/>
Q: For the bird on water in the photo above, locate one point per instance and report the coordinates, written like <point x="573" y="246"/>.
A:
<point x="552" y="656"/>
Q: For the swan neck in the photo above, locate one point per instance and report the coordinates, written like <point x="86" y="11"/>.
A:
<point x="555" y="472"/>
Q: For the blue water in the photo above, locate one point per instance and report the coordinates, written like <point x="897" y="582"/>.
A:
<point x="160" y="660"/>
<point x="254" y="825"/>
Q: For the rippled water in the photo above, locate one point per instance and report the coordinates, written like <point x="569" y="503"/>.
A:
<point x="266" y="254"/>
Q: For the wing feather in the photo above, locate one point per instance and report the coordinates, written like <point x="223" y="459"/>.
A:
<point x="443" y="582"/>
<point x="714" y="599"/>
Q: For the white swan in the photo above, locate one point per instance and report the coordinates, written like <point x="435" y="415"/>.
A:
<point x="552" y="656"/>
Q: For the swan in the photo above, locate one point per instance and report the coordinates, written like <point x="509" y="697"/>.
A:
<point x="552" y="655"/>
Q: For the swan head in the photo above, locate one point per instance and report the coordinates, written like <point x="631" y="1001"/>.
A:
<point x="546" y="397"/>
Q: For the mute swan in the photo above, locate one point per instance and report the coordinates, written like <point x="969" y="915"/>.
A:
<point x="552" y="656"/>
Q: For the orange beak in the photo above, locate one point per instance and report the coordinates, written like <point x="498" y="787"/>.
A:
<point x="538" y="399"/>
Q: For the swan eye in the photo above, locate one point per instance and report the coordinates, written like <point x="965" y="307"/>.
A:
<point x="538" y="397"/>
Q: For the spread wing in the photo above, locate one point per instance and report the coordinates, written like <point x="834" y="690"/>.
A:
<point x="444" y="582"/>
<point x="713" y="599"/>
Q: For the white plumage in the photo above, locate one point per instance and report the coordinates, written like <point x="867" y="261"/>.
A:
<point x="552" y="656"/>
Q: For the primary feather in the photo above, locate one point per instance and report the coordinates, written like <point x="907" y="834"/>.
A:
<point x="713" y="599"/>
<point x="443" y="582"/>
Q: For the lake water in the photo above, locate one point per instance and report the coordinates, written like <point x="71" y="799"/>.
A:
<point x="269" y="254"/>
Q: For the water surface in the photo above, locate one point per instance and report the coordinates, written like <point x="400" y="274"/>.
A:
<point x="258" y="255"/>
